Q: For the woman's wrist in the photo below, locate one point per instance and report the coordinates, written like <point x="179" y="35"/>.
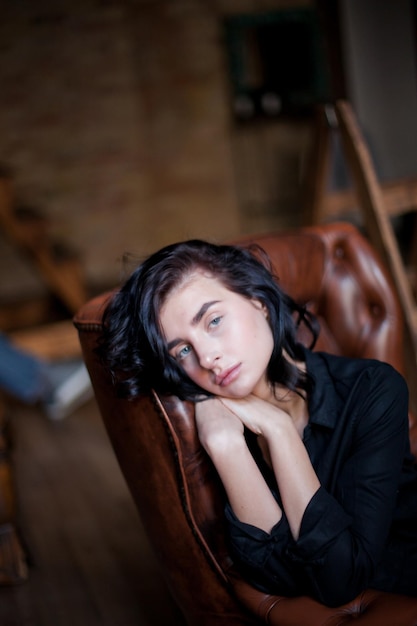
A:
<point x="224" y="443"/>
<point x="277" y="427"/>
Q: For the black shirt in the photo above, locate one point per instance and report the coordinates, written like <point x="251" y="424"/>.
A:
<point x="359" y="530"/>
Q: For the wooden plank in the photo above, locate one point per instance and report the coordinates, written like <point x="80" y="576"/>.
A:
<point x="400" y="196"/>
<point x="25" y="313"/>
<point x="62" y="275"/>
<point x="55" y="341"/>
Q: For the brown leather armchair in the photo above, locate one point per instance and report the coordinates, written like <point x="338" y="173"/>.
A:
<point x="334" y="271"/>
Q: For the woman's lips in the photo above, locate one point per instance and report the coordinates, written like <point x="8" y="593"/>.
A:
<point x="228" y="376"/>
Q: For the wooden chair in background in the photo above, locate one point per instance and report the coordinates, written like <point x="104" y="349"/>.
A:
<point x="28" y="324"/>
<point x="375" y="203"/>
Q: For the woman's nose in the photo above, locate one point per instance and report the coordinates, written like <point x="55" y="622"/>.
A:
<point x="208" y="358"/>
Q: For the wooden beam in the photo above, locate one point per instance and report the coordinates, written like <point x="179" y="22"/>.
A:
<point x="51" y="341"/>
<point x="62" y="275"/>
<point x="400" y="196"/>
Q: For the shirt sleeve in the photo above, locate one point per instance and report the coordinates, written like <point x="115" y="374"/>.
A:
<point x="344" y="529"/>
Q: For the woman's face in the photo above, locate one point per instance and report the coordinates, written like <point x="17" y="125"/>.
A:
<point x="222" y="340"/>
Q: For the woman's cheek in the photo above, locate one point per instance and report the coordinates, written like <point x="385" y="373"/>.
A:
<point x="191" y="367"/>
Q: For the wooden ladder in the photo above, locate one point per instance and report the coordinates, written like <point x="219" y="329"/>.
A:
<point x="377" y="203"/>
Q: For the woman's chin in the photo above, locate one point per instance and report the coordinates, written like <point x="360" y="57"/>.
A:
<point x="235" y="394"/>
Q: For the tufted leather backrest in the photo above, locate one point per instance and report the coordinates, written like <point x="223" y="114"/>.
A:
<point x="335" y="272"/>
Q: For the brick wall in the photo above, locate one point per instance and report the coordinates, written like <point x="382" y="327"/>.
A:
<point x="114" y="117"/>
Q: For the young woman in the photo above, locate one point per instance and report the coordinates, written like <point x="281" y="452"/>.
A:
<point x="312" y="449"/>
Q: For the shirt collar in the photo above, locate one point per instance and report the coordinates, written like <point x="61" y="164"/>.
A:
<point x="324" y="402"/>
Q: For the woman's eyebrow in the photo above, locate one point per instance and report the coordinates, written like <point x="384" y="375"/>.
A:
<point x="203" y="309"/>
<point x="172" y="344"/>
<point x="197" y="317"/>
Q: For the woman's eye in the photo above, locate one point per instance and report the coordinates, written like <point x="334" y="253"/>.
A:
<point x="215" y="321"/>
<point x="185" y="351"/>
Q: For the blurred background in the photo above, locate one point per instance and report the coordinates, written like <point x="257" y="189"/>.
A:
<point x="128" y="124"/>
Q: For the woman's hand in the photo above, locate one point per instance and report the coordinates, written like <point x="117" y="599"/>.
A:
<point x="220" y="423"/>
<point x="296" y="478"/>
<point x="221" y="433"/>
<point x="260" y="416"/>
<point x="217" y="426"/>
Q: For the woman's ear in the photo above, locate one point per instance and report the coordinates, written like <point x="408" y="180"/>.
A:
<point x="258" y="304"/>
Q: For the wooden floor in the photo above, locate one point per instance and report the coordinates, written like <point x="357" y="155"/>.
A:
<point x="90" y="562"/>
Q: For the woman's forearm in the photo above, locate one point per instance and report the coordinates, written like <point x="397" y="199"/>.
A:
<point x="296" y="478"/>
<point x="249" y="496"/>
<point x="221" y="433"/>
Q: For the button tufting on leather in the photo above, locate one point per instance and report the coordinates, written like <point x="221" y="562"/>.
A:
<point x="339" y="251"/>
<point x="376" y="310"/>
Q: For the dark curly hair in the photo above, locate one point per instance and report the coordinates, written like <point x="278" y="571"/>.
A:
<point x="133" y="348"/>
